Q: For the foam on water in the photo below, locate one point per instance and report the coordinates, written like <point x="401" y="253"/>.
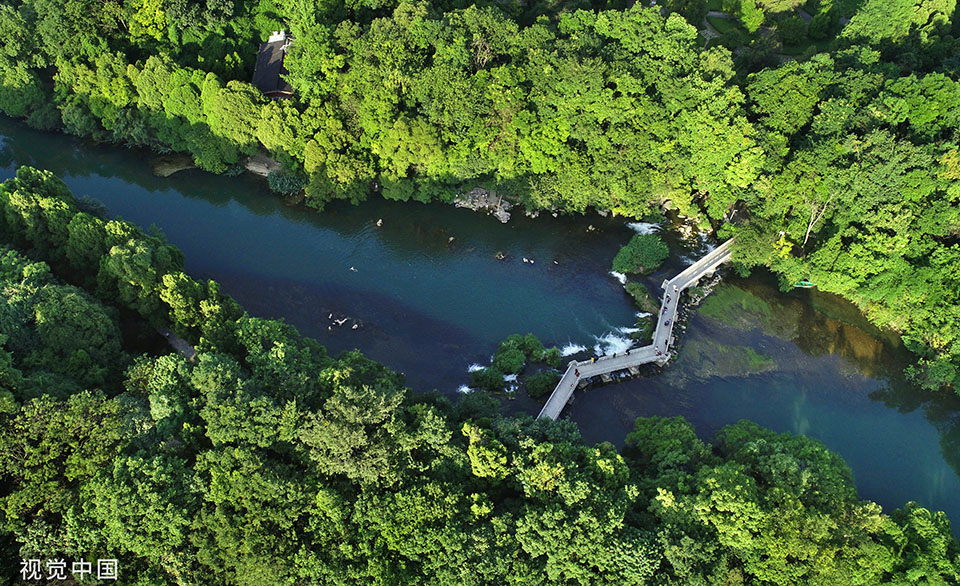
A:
<point x="464" y="389"/>
<point x="510" y="378"/>
<point x="627" y="331"/>
<point x="643" y="314"/>
<point x="475" y="367"/>
<point x="611" y="343"/>
<point x="571" y="349"/>
<point x="707" y="247"/>
<point x="643" y="227"/>
<point x="699" y="239"/>
<point x="619" y="276"/>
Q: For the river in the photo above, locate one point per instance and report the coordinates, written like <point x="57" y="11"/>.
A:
<point x="429" y="297"/>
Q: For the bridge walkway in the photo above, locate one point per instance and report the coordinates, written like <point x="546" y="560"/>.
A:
<point x="662" y="336"/>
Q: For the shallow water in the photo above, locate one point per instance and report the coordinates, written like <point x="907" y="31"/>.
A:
<point x="430" y="299"/>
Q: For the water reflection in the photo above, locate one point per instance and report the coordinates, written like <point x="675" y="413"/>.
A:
<point x="827" y="324"/>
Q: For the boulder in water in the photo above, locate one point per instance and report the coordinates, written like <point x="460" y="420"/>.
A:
<point x="167" y="165"/>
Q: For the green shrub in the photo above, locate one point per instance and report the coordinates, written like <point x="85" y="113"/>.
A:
<point x="751" y="15"/>
<point x="541" y="384"/>
<point x="552" y="357"/>
<point x="792" y="30"/>
<point x="515" y="350"/>
<point x="643" y="254"/>
<point x="821" y="26"/>
<point x="654" y="216"/>
<point x="284" y="183"/>
<point x="490" y="379"/>
<point x="731" y="39"/>
<point x="532" y="348"/>
<point x="641" y="296"/>
<point x="509" y="359"/>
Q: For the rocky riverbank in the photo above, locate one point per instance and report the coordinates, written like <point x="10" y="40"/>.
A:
<point x="261" y="164"/>
<point x="479" y="199"/>
<point x="167" y="165"/>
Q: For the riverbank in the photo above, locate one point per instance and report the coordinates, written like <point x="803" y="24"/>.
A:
<point x="490" y="202"/>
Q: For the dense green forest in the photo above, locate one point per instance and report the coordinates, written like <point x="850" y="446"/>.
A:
<point x="265" y="461"/>
<point x="840" y="166"/>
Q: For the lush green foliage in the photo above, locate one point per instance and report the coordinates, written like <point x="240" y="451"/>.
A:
<point x="541" y="384"/>
<point x="417" y="98"/>
<point x="488" y="379"/>
<point x="265" y="461"/>
<point x="511" y="358"/>
<point x="514" y="352"/>
<point x="888" y="24"/>
<point x="552" y="356"/>
<point x="643" y="254"/>
<point x="68" y="341"/>
<point x="285" y="183"/>
<point x="641" y="296"/>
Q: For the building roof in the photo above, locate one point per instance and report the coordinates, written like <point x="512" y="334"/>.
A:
<point x="269" y="71"/>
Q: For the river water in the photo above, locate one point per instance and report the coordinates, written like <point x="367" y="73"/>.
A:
<point x="429" y="297"/>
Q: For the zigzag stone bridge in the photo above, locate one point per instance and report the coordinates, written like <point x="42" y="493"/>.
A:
<point x="662" y="336"/>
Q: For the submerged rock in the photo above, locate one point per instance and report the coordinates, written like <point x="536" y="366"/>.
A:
<point x="167" y="165"/>
<point x="701" y="359"/>
<point x="293" y="199"/>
